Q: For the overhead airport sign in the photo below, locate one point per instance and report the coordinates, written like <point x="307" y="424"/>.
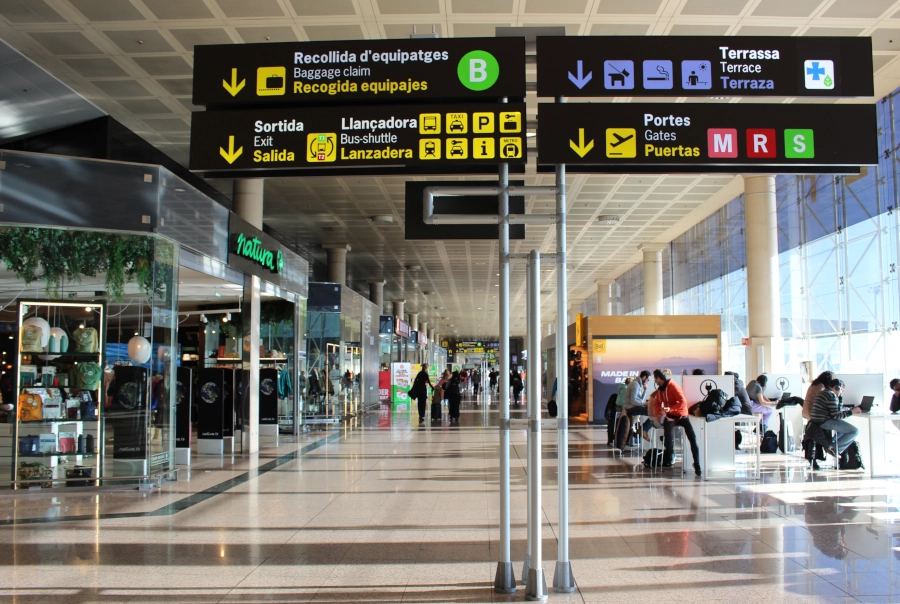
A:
<point x="673" y="66"/>
<point x="619" y="137"/>
<point x="357" y="137"/>
<point x="383" y="71"/>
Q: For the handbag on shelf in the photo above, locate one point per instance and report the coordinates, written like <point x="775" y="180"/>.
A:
<point x="86" y="339"/>
<point x="30" y="407"/>
<point x="31" y="338"/>
<point x="34" y="472"/>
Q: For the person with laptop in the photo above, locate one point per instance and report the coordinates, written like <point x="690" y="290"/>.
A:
<point x="828" y="413"/>
<point x="758" y="400"/>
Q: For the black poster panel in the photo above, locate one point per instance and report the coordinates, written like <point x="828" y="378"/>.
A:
<point x="210" y="404"/>
<point x="253" y="252"/>
<point x="383" y="71"/>
<point x="128" y="411"/>
<point x="230" y="380"/>
<point x="324" y="297"/>
<point x="391" y="138"/>
<point x="701" y="137"/>
<point x="184" y="390"/>
<point x="268" y="396"/>
<point x="706" y="66"/>
<point x="474" y="204"/>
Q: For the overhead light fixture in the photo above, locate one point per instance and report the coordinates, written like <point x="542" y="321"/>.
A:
<point x="608" y="219"/>
<point x="382" y="219"/>
<point x="203" y="319"/>
<point x="414" y="267"/>
<point x="428" y="293"/>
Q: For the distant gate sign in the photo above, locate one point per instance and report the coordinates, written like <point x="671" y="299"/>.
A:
<point x="692" y="137"/>
<point x="293" y="139"/>
<point x="673" y="66"/>
<point x="384" y="71"/>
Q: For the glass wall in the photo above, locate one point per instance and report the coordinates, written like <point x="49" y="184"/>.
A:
<point x="838" y="242"/>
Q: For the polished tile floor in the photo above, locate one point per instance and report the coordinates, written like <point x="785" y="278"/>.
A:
<point x="382" y="510"/>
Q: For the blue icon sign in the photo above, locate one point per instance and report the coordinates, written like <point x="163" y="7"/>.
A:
<point x="618" y="75"/>
<point x="658" y="75"/>
<point x="696" y="75"/>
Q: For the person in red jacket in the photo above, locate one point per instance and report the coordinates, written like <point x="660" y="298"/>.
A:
<point x="674" y="407"/>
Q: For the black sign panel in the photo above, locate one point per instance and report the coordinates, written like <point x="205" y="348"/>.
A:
<point x="686" y="137"/>
<point x="210" y="403"/>
<point x="458" y="204"/>
<point x="184" y="389"/>
<point x="268" y="396"/>
<point x="299" y="139"/>
<point x="673" y="66"/>
<point x="128" y="412"/>
<point x="253" y="252"/>
<point x="382" y="71"/>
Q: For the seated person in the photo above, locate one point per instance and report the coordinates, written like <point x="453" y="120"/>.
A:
<point x="758" y="401"/>
<point x="675" y="413"/>
<point x="633" y="405"/>
<point x="828" y="413"/>
<point x="740" y="393"/>
<point x="895" y="400"/>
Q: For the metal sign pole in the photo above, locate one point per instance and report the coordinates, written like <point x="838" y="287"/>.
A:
<point x="536" y="585"/>
<point x="529" y="441"/>
<point x="504" y="579"/>
<point x="563" y="580"/>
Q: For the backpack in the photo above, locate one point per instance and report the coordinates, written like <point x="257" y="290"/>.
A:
<point x="551" y="408"/>
<point x="851" y="459"/>
<point x="654" y="458"/>
<point x="609" y="414"/>
<point x="620" y="397"/>
<point x="714" y="402"/>
<point x="769" y="443"/>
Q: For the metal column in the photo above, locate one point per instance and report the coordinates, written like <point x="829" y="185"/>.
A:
<point x="504" y="578"/>
<point x="563" y="580"/>
<point x="536" y="585"/>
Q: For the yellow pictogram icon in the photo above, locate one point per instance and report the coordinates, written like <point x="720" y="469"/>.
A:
<point x="581" y="148"/>
<point x="234" y="86"/>
<point x="599" y="347"/>
<point x="321" y="147"/>
<point x="457" y="123"/>
<point x="457" y="148"/>
<point x="510" y="147"/>
<point x="510" y="121"/>
<point x="483" y="148"/>
<point x="430" y="148"/>
<point x="231" y="154"/>
<point x="271" y="81"/>
<point x="621" y="142"/>
<point x="483" y="123"/>
<point x="429" y="123"/>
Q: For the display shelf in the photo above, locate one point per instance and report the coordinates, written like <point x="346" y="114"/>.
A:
<point x="59" y="355"/>
<point x="57" y="421"/>
<point x="39" y="455"/>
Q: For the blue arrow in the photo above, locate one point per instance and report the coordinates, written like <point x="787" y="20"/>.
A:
<point x="581" y="80"/>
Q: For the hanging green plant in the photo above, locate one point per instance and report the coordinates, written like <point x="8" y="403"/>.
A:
<point x="276" y="311"/>
<point x="56" y="256"/>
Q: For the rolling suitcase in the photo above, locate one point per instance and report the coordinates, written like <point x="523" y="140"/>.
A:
<point x="436" y="409"/>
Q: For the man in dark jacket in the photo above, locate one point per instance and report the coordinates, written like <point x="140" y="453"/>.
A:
<point x="740" y="393"/>
<point x="420" y="392"/>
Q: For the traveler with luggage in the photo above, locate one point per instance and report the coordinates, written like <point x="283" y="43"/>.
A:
<point x="438" y="396"/>
<point x="420" y="392"/>
<point x="674" y="407"/>
<point x="828" y="414"/>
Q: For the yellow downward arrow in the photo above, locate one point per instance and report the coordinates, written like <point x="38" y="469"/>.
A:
<point x="234" y="87"/>
<point x="581" y="149"/>
<point x="231" y="154"/>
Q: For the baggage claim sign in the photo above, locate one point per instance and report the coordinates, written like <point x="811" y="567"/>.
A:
<point x="359" y="136"/>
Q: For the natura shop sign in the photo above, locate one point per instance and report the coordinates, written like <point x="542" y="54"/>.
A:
<point x="252" y="249"/>
<point x="253" y="252"/>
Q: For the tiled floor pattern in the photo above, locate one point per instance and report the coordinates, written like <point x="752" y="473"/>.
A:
<point x="384" y="510"/>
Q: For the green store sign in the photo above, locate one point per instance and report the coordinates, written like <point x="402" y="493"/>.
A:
<point x="252" y="250"/>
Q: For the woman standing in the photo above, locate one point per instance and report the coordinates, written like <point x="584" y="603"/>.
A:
<point x="453" y="394"/>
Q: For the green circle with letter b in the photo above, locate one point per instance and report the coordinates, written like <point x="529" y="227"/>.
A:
<point x="478" y="70"/>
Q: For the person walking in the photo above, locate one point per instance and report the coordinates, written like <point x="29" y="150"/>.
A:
<point x="492" y="380"/>
<point x="454" y="396"/>
<point x="517" y="387"/>
<point x="419" y="391"/>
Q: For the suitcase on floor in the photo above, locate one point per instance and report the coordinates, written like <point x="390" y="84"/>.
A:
<point x="436" y="411"/>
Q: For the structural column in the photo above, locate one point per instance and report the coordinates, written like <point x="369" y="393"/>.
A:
<point x="653" y="279"/>
<point x="603" y="298"/>
<point x="337" y="261"/>
<point x="376" y="294"/>
<point x="413" y="319"/>
<point x="765" y="351"/>
<point x="398" y="308"/>
<point x="247" y="200"/>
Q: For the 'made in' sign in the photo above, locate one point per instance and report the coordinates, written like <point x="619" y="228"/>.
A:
<point x="252" y="249"/>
